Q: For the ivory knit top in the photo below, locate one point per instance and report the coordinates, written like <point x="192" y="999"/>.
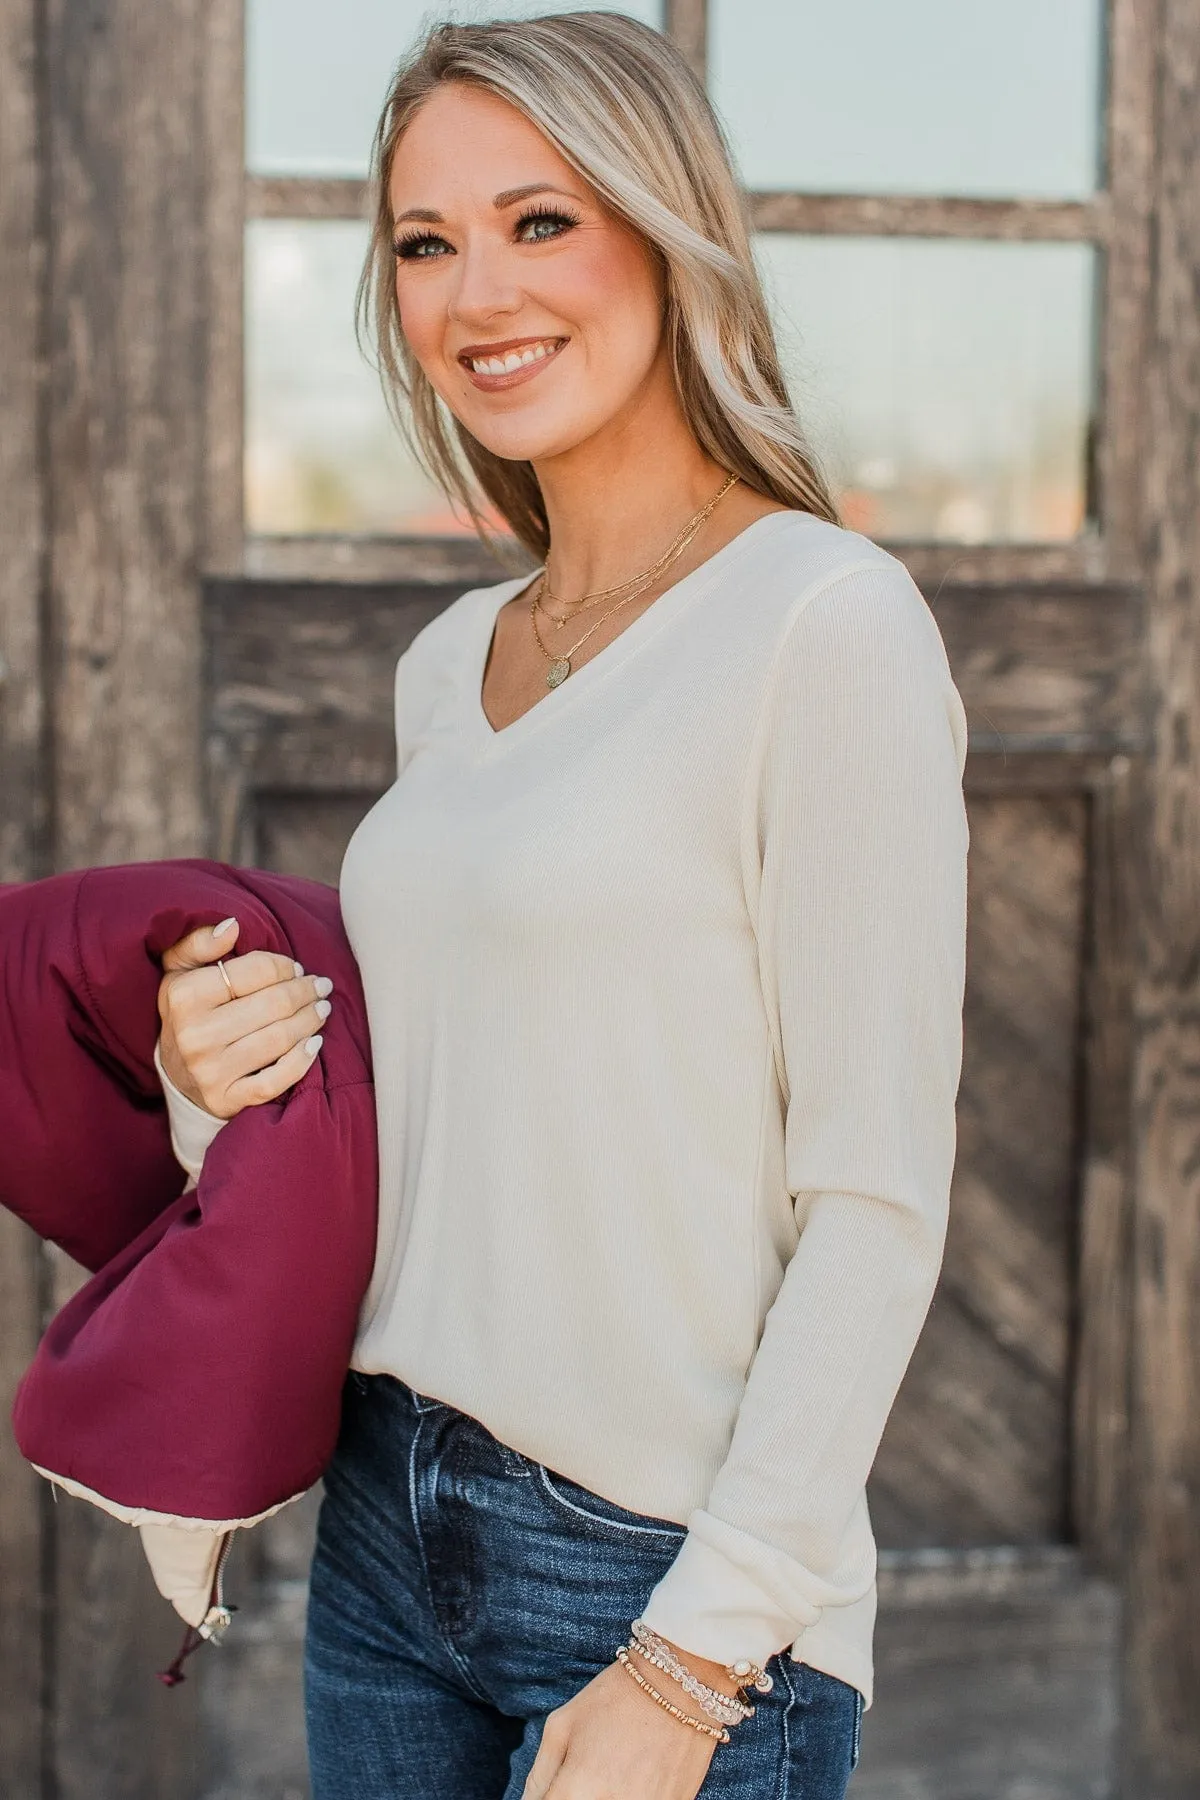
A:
<point x="664" y="983"/>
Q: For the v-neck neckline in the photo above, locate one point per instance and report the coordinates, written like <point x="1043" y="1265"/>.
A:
<point x="653" y="619"/>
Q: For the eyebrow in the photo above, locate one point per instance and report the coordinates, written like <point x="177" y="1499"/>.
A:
<point x="425" y="215"/>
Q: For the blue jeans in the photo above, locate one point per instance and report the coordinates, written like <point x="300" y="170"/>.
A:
<point x="461" y="1592"/>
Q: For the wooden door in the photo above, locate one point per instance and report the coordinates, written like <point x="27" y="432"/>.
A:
<point x="999" y="1638"/>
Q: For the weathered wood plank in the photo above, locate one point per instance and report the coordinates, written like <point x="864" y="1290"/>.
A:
<point x="224" y="227"/>
<point x="23" y="847"/>
<point x="1101" y="1397"/>
<point x="929" y="216"/>
<point x="993" y="1366"/>
<point x="407" y="560"/>
<point x="125" y="191"/>
<point x="301" y="677"/>
<point x="997" y="1679"/>
<point x="1125" y="289"/>
<point x="1061" y="666"/>
<point x="996" y="1674"/>
<point x="838" y="215"/>
<point x="686" y="22"/>
<point x="1163" y="1667"/>
<point x="125" y="424"/>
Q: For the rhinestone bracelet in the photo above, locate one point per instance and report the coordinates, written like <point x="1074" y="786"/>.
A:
<point x="744" y="1672"/>
<point x="713" y="1731"/>
<point x="726" y="1709"/>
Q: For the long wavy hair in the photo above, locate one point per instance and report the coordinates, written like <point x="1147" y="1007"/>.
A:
<point x="621" y="105"/>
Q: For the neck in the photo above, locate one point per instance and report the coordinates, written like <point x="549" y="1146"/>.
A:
<point x="615" y="501"/>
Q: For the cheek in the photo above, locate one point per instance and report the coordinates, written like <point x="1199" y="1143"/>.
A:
<point x="615" y="296"/>
<point x="422" y="318"/>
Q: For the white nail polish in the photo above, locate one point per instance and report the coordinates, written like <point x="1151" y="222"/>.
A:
<point x="223" y="927"/>
<point x="323" y="986"/>
<point x="299" y="968"/>
<point x="323" y="1009"/>
<point x="314" y="1044"/>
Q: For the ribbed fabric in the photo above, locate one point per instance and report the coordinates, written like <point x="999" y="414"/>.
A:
<point x="665" y="987"/>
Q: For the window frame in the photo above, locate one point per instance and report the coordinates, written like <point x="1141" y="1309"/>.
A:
<point x="1115" y="221"/>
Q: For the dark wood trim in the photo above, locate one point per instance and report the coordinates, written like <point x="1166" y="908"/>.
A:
<point x="857" y="215"/>
<point x="1100" y="1390"/>
<point x="919" y="215"/>
<point x="300" y="682"/>
<point x="225" y="210"/>
<point x="1050" y="670"/>
<point x="305" y="197"/>
<point x="686" y="23"/>
<point x="1162" y="1670"/>
<point x="465" y="559"/>
<point x="435" y="560"/>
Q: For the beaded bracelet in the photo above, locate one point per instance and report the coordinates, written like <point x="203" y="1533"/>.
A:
<point x="726" y="1709"/>
<point x="713" y="1731"/>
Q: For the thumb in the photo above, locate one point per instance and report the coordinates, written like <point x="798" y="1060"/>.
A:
<point x="204" y="945"/>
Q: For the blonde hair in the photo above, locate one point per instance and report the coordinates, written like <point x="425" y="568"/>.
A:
<point x="621" y="105"/>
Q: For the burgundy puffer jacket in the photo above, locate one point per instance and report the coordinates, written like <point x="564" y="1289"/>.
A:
<point x="194" y="1383"/>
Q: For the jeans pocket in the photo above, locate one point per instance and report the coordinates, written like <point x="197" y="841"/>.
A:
<point x="587" y="1508"/>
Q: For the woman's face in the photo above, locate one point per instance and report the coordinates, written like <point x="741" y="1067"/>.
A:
<point x="536" y="315"/>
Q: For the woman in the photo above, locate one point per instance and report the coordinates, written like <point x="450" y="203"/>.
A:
<point x="661" y="928"/>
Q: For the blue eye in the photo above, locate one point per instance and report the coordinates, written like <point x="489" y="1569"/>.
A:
<point x="420" y="247"/>
<point x="539" y="226"/>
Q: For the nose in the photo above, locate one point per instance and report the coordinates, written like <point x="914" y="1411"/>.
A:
<point x="486" y="287"/>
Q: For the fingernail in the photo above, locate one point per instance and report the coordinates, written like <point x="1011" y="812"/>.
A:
<point x="323" y="985"/>
<point x="299" y="968"/>
<point x="314" y="1044"/>
<point x="323" y="1009"/>
<point x="223" y="927"/>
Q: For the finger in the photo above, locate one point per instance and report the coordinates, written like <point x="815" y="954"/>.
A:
<point x="256" y="970"/>
<point x="551" y="1754"/>
<point x="258" y="1049"/>
<point x="225" y="1022"/>
<point x="201" y="946"/>
<point x="267" y="1084"/>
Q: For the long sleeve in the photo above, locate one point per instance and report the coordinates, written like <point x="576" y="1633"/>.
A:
<point x="192" y="1129"/>
<point x="855" y="871"/>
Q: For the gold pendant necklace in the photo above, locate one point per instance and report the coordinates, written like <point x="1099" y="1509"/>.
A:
<point x="560" y="660"/>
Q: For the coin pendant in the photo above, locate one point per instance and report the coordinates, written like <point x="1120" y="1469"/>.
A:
<point x="558" y="671"/>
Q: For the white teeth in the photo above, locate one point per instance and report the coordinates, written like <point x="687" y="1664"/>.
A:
<point x="515" y="359"/>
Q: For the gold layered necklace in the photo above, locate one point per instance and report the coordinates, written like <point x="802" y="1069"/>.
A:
<point x="629" y="591"/>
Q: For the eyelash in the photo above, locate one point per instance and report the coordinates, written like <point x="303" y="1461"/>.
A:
<point x="410" y="248"/>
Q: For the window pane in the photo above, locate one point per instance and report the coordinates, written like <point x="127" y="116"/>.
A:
<point x="948" y="385"/>
<point x="912" y="96"/>
<point x="321" y="452"/>
<point x="317" y="72"/>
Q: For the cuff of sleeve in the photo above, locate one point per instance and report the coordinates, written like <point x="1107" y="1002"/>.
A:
<point x="707" y="1605"/>
<point x="192" y="1129"/>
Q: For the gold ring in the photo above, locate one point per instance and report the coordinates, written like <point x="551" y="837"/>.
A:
<point x="225" y="978"/>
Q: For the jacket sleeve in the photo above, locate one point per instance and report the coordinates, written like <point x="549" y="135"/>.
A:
<point x="856" y="878"/>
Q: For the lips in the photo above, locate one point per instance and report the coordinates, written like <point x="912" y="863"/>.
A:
<point x="506" y="364"/>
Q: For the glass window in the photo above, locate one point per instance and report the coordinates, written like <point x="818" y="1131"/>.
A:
<point x="947" y="384"/>
<point x="912" y="96"/>
<point x="322" y="455"/>
<point x="317" y="74"/>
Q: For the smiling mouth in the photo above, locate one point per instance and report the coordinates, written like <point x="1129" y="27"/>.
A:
<point x="500" y="365"/>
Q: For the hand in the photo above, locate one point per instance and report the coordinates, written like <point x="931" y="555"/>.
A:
<point x="228" y="1053"/>
<point x="612" y="1742"/>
